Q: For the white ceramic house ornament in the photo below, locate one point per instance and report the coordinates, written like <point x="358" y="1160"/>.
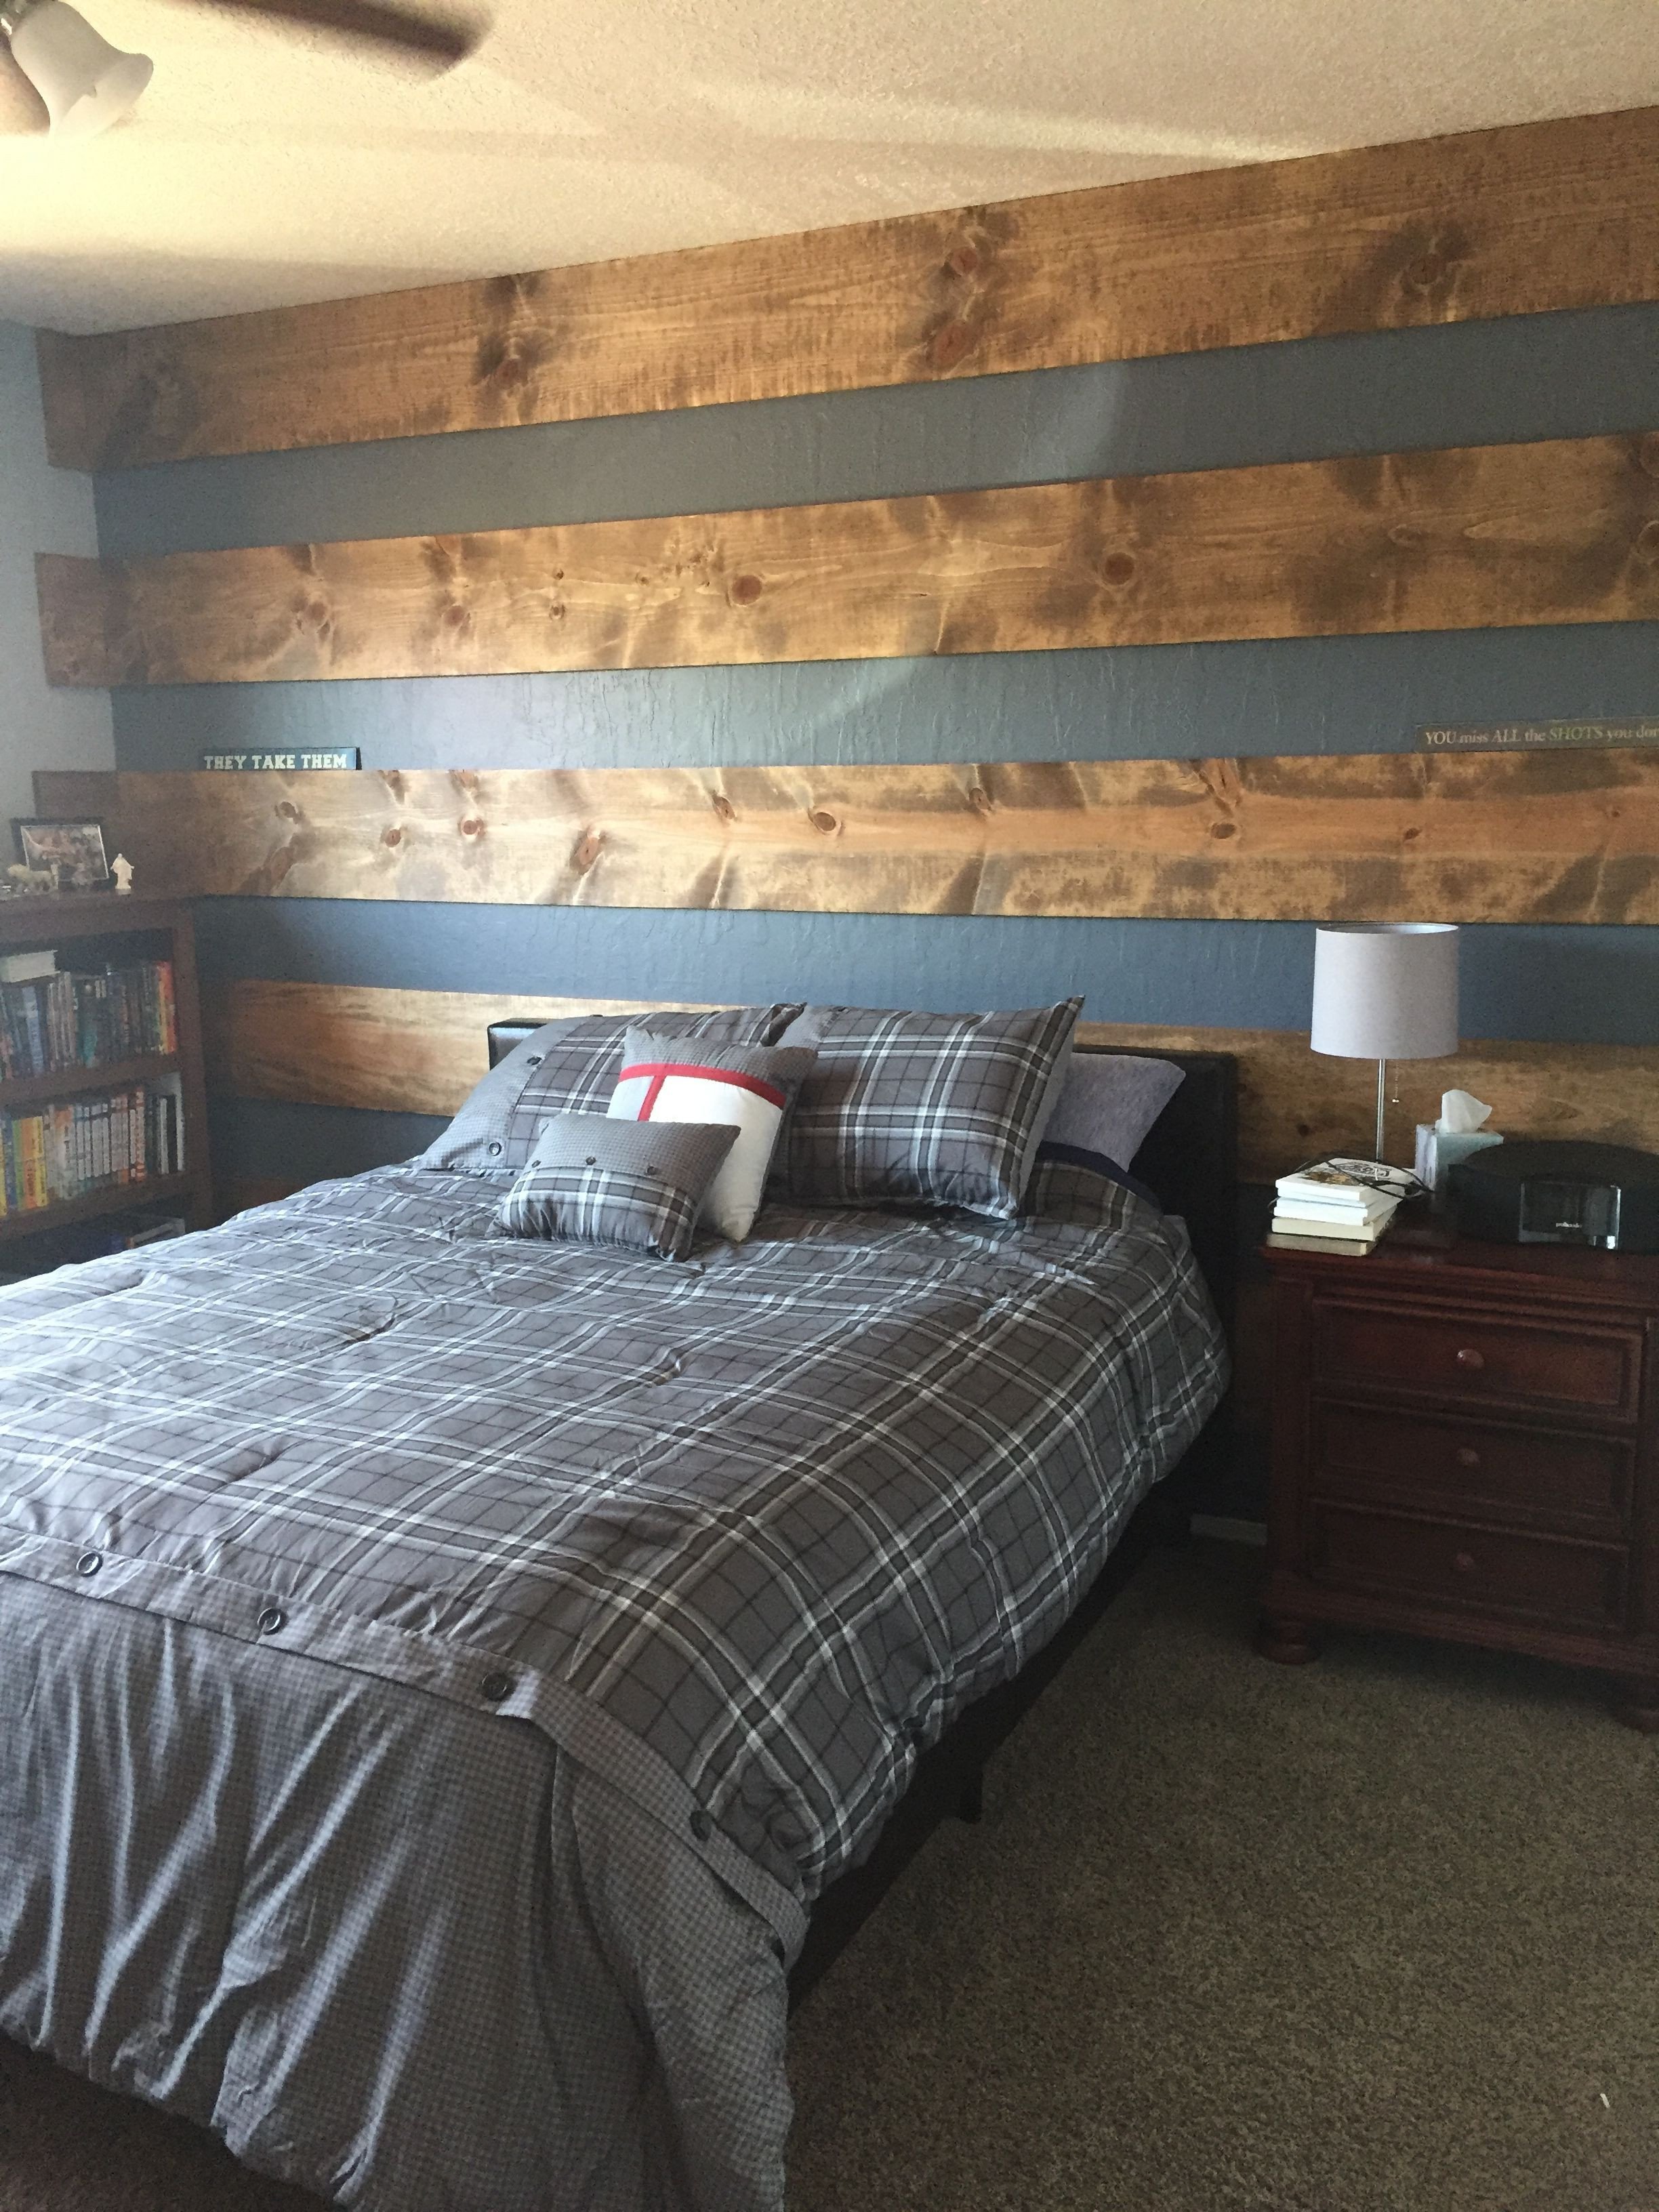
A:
<point x="121" y="868"/>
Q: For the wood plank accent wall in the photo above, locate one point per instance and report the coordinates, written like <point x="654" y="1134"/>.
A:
<point x="420" y="1052"/>
<point x="1565" y="531"/>
<point x="1539" y="837"/>
<point x="1515" y="221"/>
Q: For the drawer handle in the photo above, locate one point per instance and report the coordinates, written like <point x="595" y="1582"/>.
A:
<point x="1468" y="1455"/>
<point x="1464" y="1562"/>
<point x="1468" y="1357"/>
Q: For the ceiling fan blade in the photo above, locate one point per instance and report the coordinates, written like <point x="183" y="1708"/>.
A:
<point x="444" y="39"/>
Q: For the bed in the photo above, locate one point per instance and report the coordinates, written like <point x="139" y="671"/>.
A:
<point x="448" y="1686"/>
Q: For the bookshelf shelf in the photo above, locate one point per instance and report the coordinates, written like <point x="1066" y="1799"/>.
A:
<point x="42" y="1090"/>
<point x="118" y="1198"/>
<point x="91" y="933"/>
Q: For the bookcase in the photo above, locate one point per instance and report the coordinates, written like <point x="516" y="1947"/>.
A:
<point x="113" y="1095"/>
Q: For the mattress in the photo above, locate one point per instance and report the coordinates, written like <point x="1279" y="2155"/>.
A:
<point x="442" y="1670"/>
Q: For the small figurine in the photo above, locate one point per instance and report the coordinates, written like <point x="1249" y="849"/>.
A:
<point x="121" y="868"/>
<point x="24" y="883"/>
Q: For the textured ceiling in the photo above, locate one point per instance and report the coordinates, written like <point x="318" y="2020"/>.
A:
<point x="264" y="166"/>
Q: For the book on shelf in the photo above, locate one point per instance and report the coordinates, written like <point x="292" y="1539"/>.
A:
<point x="53" y="1154"/>
<point x="27" y="967"/>
<point x="57" y="1021"/>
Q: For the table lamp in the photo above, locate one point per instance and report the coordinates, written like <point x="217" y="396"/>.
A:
<point x="1383" y="991"/>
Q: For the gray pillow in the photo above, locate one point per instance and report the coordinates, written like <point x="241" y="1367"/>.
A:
<point x="1109" y="1102"/>
<point x="636" y="1184"/>
<point x="941" y="1109"/>
<point x="571" y="1067"/>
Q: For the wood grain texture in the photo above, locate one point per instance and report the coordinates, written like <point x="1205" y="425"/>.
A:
<point x="390" y="1051"/>
<point x="1538" y="838"/>
<point x="420" y="1052"/>
<point x="1515" y="221"/>
<point x="1566" y="531"/>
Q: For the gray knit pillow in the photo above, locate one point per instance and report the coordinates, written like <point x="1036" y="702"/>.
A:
<point x="637" y="1184"/>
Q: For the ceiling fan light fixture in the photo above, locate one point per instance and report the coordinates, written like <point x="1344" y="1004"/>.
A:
<point x="86" y="84"/>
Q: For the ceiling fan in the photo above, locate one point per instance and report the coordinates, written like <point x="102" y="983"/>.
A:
<point x="86" y="84"/>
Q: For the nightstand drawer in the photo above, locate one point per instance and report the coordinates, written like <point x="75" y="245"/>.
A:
<point x="1494" y="1572"/>
<point x="1578" y="1482"/>
<point x="1470" y="1356"/>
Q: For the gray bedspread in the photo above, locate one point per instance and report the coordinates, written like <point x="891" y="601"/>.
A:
<point x="439" y="1670"/>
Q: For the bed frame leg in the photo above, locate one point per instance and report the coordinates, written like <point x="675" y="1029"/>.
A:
<point x="970" y="1805"/>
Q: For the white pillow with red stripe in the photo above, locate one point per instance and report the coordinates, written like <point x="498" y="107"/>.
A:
<point x="750" y="1087"/>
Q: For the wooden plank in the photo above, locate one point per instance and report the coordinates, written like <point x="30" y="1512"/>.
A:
<point x="1543" y="836"/>
<point x="420" y="1052"/>
<point x="394" y="1052"/>
<point x="1516" y="220"/>
<point x="1566" y="531"/>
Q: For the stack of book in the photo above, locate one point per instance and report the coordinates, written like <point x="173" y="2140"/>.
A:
<point x="1345" y="1204"/>
<point x="54" y="1154"/>
<point x="50" y="1022"/>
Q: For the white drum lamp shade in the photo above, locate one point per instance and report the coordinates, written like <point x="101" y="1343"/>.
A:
<point x="1385" y="991"/>
<point x="86" y="84"/>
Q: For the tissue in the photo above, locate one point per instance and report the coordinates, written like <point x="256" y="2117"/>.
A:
<point x="1456" y="1134"/>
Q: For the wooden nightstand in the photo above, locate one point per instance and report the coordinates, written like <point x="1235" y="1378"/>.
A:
<point x="1464" y="1446"/>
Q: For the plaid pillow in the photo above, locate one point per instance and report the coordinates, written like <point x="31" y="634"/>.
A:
<point x="695" y="1080"/>
<point x="571" y="1067"/>
<point x="946" y="1109"/>
<point x="637" y="1184"/>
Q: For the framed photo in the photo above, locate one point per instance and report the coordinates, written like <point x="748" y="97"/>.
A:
<point x="74" y="849"/>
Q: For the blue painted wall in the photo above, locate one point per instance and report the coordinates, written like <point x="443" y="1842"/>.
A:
<point x="1562" y="375"/>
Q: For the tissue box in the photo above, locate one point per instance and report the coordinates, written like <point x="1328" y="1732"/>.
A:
<point x="1437" y="1150"/>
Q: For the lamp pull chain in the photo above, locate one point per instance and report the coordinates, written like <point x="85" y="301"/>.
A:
<point x="1381" y="1104"/>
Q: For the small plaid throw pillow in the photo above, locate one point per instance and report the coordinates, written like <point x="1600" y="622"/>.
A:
<point x="637" y="1184"/>
<point x="941" y="1109"/>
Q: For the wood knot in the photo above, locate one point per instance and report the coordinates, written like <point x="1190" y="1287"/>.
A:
<point x="286" y="811"/>
<point x="588" y="847"/>
<point x="1118" y="568"/>
<point x="393" y="836"/>
<point x="1223" y="829"/>
<point x="456" y="617"/>
<point x="962" y="262"/>
<point x="471" y="826"/>
<point x="948" y="344"/>
<point x="723" y="807"/>
<point x="823" y="821"/>
<point x="393" y="780"/>
<point x="1423" y="274"/>
<point x="1410" y="836"/>
<point x="745" y="590"/>
<point x="979" y="799"/>
<point x="555" y="611"/>
<point x="510" y="371"/>
<point x="1647" y="540"/>
<point x="317" y="612"/>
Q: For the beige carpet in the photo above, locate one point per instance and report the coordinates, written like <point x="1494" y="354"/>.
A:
<point x="1379" y="1936"/>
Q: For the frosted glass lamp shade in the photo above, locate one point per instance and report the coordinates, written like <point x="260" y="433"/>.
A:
<point x="1385" y="990"/>
<point x="85" y="83"/>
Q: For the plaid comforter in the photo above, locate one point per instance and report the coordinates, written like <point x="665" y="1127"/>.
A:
<point x="743" y="1535"/>
<point x="736" y="1537"/>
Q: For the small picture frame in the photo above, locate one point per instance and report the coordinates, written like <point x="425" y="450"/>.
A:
<point x="73" y="850"/>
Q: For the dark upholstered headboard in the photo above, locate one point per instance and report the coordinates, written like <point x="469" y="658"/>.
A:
<point x="1190" y="1159"/>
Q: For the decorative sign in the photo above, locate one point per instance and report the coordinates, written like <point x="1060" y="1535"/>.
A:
<point x="1538" y="737"/>
<point x="329" y="757"/>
